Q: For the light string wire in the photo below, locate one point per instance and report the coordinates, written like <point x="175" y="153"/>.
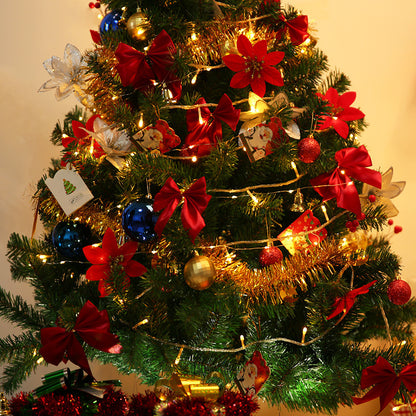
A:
<point x="250" y="344"/>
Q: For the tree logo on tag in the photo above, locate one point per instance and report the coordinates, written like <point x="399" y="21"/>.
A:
<point x="69" y="187"/>
<point x="69" y="190"/>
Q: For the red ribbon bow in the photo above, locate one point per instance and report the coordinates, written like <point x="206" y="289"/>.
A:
<point x="337" y="184"/>
<point x="205" y="127"/>
<point x="140" y="69"/>
<point x="195" y="200"/>
<point x="92" y="326"/>
<point x="386" y="382"/>
<point x="347" y="301"/>
<point x="297" y="27"/>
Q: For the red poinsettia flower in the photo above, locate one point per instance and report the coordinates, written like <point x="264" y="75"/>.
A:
<point x="109" y="256"/>
<point x="255" y="66"/>
<point x="82" y="140"/>
<point x="340" y="111"/>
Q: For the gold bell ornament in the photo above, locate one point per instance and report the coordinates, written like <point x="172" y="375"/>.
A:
<point x="199" y="273"/>
<point x="138" y="25"/>
<point x="298" y="204"/>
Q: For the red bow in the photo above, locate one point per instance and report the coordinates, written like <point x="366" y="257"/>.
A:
<point x="386" y="381"/>
<point x="346" y="302"/>
<point x="195" y="200"/>
<point x="205" y="127"/>
<point x="140" y="70"/>
<point x="92" y="326"/>
<point x="337" y="184"/>
<point x="297" y="27"/>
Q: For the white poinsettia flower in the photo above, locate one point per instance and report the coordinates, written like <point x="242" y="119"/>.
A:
<point x="67" y="75"/>
<point x="383" y="195"/>
<point x="258" y="113"/>
<point x="115" y="143"/>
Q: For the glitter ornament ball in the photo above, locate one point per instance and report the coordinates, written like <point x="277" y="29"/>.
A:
<point x="399" y="292"/>
<point x="308" y="150"/>
<point x="199" y="273"/>
<point x="138" y="221"/>
<point x="69" y="238"/>
<point x="111" y="21"/>
<point x="270" y="255"/>
<point x="138" y="26"/>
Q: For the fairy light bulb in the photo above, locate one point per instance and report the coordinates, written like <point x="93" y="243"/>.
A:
<point x="323" y="207"/>
<point x="141" y="122"/>
<point x="294" y="167"/>
<point x="194" y="78"/>
<point x="304" y="331"/>
<point x="200" y="119"/>
<point x="194" y="37"/>
<point x="253" y="197"/>
<point x="178" y="358"/>
<point x="242" y="342"/>
<point x="194" y="159"/>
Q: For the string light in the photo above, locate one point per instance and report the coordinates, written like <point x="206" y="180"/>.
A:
<point x="242" y="342"/>
<point x="253" y="197"/>
<point x="178" y="358"/>
<point x="304" y="331"/>
<point x="323" y="207"/>
<point x="194" y="159"/>
<point x="141" y="122"/>
<point x="201" y="121"/>
<point x="294" y="167"/>
<point x="143" y="322"/>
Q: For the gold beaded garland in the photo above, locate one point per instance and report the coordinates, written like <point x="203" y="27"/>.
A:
<point x="199" y="273"/>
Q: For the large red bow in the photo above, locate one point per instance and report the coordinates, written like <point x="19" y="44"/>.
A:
<point x="386" y="382"/>
<point x="337" y="184"/>
<point x="346" y="302"/>
<point x="92" y="326"/>
<point x="140" y="70"/>
<point x="205" y="127"/>
<point x="297" y="27"/>
<point x="195" y="200"/>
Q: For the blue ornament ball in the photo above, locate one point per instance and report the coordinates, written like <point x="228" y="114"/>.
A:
<point x="70" y="237"/>
<point x="111" y="21"/>
<point x="138" y="221"/>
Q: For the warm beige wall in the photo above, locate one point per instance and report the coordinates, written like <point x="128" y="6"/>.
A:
<point x="371" y="41"/>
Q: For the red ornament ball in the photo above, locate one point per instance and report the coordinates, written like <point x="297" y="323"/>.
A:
<point x="372" y="198"/>
<point x="399" y="292"/>
<point x="270" y="255"/>
<point x="390" y="222"/>
<point x="398" y="229"/>
<point x="308" y="150"/>
<point x="91" y="5"/>
<point x="97" y="5"/>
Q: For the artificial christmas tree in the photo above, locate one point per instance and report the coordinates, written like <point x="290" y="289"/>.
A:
<point x="241" y="211"/>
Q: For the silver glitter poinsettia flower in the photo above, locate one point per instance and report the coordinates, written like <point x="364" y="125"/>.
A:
<point x="383" y="196"/>
<point x="67" y="75"/>
<point x="115" y="143"/>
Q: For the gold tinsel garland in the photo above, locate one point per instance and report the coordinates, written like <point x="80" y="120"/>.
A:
<point x="273" y="283"/>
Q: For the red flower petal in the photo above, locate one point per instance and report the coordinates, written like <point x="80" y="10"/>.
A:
<point x="234" y="62"/>
<point x="98" y="272"/>
<point x="341" y="127"/>
<point x="110" y="242"/>
<point x="128" y="250"/>
<point x="332" y="96"/>
<point x="78" y="129"/>
<point x="240" y="80"/>
<point x="134" y="268"/>
<point x="258" y="86"/>
<point x="272" y="76"/>
<point x="90" y="123"/>
<point x="351" y="113"/>
<point x="273" y="58"/>
<point x="260" y="49"/>
<point x="66" y="141"/>
<point x="244" y="46"/>
<point x="346" y="99"/>
<point x="96" y="255"/>
<point x="324" y="122"/>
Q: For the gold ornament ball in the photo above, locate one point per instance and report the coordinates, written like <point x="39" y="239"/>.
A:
<point x="138" y="26"/>
<point x="199" y="273"/>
